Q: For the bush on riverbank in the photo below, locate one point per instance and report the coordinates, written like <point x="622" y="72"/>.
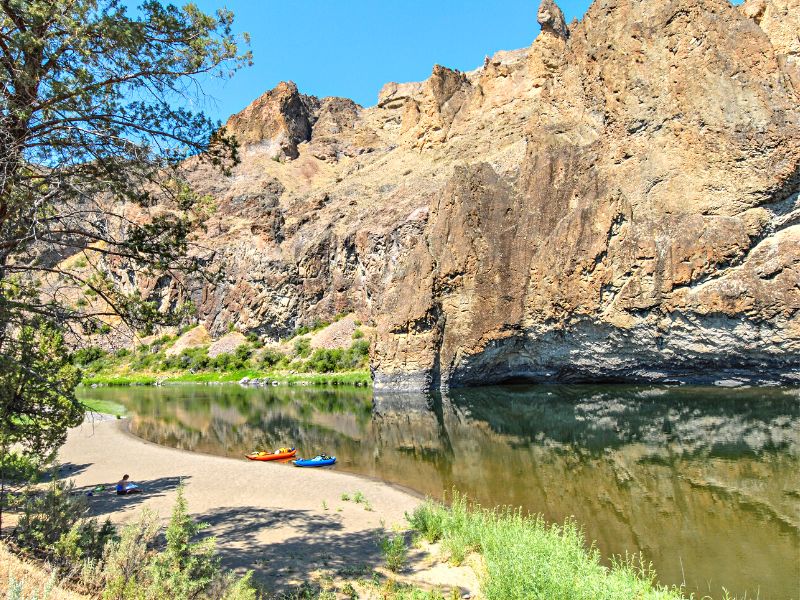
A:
<point x="150" y="363"/>
<point x="54" y="527"/>
<point x="526" y="558"/>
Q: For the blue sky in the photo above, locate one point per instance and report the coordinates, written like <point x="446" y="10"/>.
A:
<point x="352" y="47"/>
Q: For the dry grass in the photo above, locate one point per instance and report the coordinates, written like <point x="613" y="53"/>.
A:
<point x="34" y="578"/>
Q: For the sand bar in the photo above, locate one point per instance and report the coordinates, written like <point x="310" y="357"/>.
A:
<point x="267" y="517"/>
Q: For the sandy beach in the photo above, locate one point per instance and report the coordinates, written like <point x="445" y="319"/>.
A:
<point x="276" y="519"/>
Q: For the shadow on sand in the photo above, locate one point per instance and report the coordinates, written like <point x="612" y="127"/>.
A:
<point x="320" y="542"/>
<point x="65" y="471"/>
<point x="107" y="501"/>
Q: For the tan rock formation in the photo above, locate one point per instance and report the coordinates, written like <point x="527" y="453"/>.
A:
<point x="335" y="335"/>
<point x="618" y="201"/>
<point x="780" y="21"/>
<point x="194" y="338"/>
<point x="227" y="344"/>
<point x="281" y="118"/>
<point x="551" y="19"/>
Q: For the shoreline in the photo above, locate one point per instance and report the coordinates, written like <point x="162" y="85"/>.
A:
<point x="252" y="378"/>
<point x="125" y="428"/>
<point x="281" y="522"/>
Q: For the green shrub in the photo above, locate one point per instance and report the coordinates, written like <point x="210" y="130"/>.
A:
<point x="254" y="340"/>
<point x="159" y="343"/>
<point x="122" y="353"/>
<point x="394" y="550"/>
<point x="318" y="324"/>
<point x="86" y="356"/>
<point x="526" y="558"/>
<point x="53" y="525"/>
<point x="185" y="568"/>
<point x="428" y="520"/>
<point x="325" y="360"/>
<point x="358" y="334"/>
<point x="19" y="468"/>
<point x="120" y="573"/>
<point x="243" y="352"/>
<point x="302" y="330"/>
<point x="190" y="359"/>
<point x="302" y="347"/>
<point x="147" y="360"/>
<point x="229" y="362"/>
<point x="271" y="358"/>
<point x="131" y="569"/>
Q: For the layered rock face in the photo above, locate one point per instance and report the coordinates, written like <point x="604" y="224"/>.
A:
<point x="618" y="201"/>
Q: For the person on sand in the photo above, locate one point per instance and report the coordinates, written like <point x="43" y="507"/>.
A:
<point x="124" y="486"/>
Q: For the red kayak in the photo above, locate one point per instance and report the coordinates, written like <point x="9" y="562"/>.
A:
<point x="277" y="455"/>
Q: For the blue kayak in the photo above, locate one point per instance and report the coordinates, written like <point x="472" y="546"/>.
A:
<point x="317" y="461"/>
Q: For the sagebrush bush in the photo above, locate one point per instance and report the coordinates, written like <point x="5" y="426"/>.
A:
<point x="132" y="568"/>
<point x="119" y="574"/>
<point x="394" y="550"/>
<point x="16" y="589"/>
<point x="54" y="525"/>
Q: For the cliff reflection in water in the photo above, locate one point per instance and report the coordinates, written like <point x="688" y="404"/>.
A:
<point x="705" y="482"/>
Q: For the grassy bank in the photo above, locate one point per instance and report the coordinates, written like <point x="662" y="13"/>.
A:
<point x="291" y="361"/>
<point x="361" y="377"/>
<point x="105" y="407"/>
<point x="524" y="557"/>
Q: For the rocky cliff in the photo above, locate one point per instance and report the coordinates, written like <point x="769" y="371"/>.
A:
<point x="618" y="201"/>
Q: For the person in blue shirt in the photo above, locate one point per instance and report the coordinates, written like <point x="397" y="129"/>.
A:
<point x="124" y="486"/>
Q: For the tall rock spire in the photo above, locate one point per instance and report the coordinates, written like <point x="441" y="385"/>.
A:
<point x="552" y="20"/>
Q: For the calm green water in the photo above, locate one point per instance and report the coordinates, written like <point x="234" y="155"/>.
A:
<point x="704" y="482"/>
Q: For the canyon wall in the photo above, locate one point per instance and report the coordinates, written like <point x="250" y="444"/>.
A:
<point x="619" y="201"/>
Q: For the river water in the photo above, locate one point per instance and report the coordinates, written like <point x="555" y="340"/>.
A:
<point x="703" y="482"/>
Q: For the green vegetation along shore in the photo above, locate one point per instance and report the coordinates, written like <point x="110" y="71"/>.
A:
<point x="525" y="557"/>
<point x="290" y="361"/>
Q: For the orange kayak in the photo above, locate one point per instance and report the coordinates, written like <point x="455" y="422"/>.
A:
<point x="277" y="455"/>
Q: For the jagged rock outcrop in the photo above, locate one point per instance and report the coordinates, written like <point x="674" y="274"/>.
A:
<point x="780" y="21"/>
<point x="282" y="118"/>
<point x="551" y="19"/>
<point x="618" y="201"/>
